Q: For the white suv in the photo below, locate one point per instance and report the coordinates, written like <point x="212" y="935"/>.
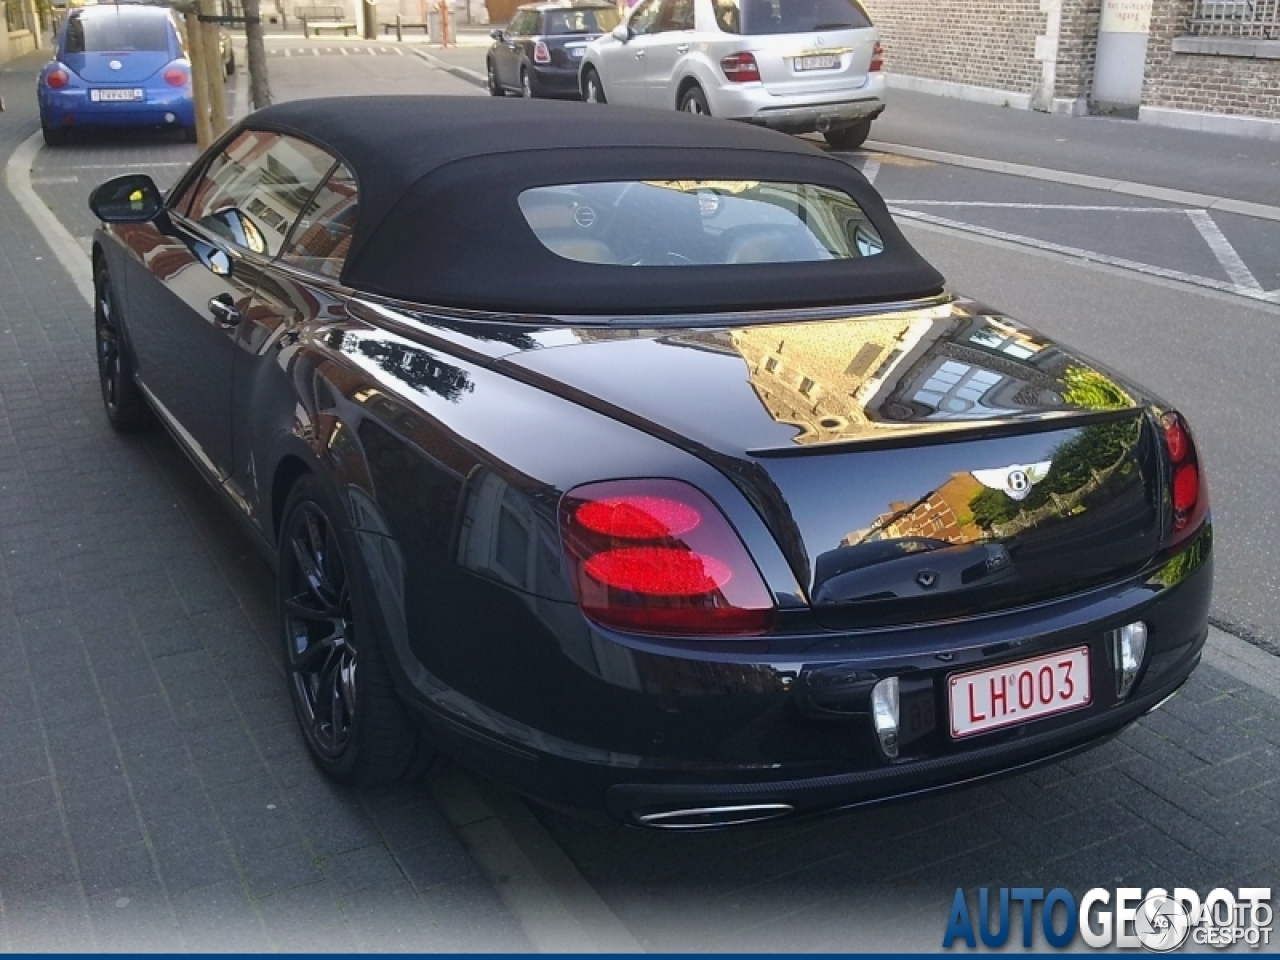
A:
<point x="795" y="65"/>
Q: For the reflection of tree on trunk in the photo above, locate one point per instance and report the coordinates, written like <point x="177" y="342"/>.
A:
<point x="1099" y="454"/>
<point x="418" y="368"/>
<point x="1081" y="465"/>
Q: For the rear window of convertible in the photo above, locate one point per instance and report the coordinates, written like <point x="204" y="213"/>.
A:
<point x="698" y="222"/>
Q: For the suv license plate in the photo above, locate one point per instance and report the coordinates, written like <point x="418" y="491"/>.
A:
<point x="1016" y="692"/>
<point x="102" y="96"/>
<point x="824" y="62"/>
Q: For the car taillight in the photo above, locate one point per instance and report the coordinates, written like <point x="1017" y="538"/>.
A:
<point x="175" y="76"/>
<point x="540" y="53"/>
<point x="877" y="58"/>
<point x="57" y="79"/>
<point x="657" y="556"/>
<point x="740" y="68"/>
<point x="1188" y="496"/>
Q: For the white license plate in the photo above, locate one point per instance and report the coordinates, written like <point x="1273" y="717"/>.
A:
<point x="1016" y="692"/>
<point x="109" y="96"/>
<point x="575" y="52"/>
<point x="823" y="62"/>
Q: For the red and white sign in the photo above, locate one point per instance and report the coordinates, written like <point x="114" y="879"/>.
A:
<point x="1016" y="692"/>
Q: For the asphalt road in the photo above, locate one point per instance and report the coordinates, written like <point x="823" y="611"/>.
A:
<point x="1189" y="796"/>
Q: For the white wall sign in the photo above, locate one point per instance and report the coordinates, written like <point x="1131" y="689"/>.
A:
<point x="1126" y="16"/>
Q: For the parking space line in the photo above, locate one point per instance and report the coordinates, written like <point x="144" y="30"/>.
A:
<point x="1000" y="205"/>
<point x="1077" y="253"/>
<point x="1235" y="268"/>
<point x="871" y="169"/>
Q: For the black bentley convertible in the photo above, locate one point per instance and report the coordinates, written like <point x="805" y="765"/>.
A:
<point x="638" y="461"/>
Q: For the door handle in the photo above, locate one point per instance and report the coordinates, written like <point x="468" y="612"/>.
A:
<point x="639" y="54"/>
<point x="224" y="310"/>
<point x="682" y="48"/>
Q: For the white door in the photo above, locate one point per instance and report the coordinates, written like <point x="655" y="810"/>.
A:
<point x="624" y="65"/>
<point x="666" y="48"/>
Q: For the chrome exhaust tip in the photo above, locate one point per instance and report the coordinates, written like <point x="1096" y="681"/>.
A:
<point x="709" y="818"/>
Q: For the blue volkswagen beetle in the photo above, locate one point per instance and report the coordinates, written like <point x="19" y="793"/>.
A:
<point x="116" y="65"/>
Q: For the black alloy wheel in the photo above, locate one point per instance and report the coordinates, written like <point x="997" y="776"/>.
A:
<point x="126" y="408"/>
<point x="495" y="88"/>
<point x="592" y="88"/>
<point x="695" y="101"/>
<point x="355" y="726"/>
<point x="849" y="138"/>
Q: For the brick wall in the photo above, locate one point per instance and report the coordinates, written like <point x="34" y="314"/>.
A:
<point x="1077" y="48"/>
<point x="986" y="43"/>
<point x="1214" y="84"/>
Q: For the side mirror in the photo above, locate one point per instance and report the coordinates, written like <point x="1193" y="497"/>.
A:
<point x="621" y="33"/>
<point x="133" y="198"/>
<point x="496" y="34"/>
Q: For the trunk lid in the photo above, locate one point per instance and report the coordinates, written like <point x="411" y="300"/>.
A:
<point x="913" y="465"/>
<point x="817" y="62"/>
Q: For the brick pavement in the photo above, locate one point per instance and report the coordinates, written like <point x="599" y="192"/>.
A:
<point x="154" y="792"/>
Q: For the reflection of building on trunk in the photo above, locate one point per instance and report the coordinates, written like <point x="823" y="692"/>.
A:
<point x="943" y="514"/>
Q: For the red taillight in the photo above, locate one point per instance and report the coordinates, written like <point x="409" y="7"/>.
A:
<point x="877" y="58"/>
<point x="540" y="53"/>
<point x="657" y="556"/>
<point x="1187" y="494"/>
<point x="57" y="79"/>
<point x="175" y="76"/>
<point x="740" y="68"/>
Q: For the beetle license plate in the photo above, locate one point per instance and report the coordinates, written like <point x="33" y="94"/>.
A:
<point x="115" y="96"/>
<point x="822" y="62"/>
<point x="1016" y="692"/>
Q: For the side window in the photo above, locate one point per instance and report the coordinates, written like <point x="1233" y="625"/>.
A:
<point x="523" y="24"/>
<point x="253" y="191"/>
<point x="727" y="15"/>
<point x="323" y="235"/>
<point x="676" y="15"/>
<point x="644" y="18"/>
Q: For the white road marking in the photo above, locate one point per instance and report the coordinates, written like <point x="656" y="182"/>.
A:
<point x="49" y="181"/>
<point x="871" y="169"/>
<point x="1089" y="255"/>
<point x="315" y="51"/>
<point x="1235" y="268"/>
<point x="288" y="53"/>
<point x="399" y="52"/>
<point x="1087" y="207"/>
<point x="345" y="51"/>
<point x="125" y="163"/>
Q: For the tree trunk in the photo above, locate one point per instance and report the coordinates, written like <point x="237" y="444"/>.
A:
<point x="259" y="83"/>
<point x="199" y="78"/>
<point x="213" y="71"/>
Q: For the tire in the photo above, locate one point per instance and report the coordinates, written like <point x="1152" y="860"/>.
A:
<point x="695" y="101"/>
<point x="122" y="398"/>
<point x="592" y="88"/>
<point x="496" y="89"/>
<point x="55" y="136"/>
<point x="849" y="138"/>
<point x="355" y="726"/>
<point x="528" y="89"/>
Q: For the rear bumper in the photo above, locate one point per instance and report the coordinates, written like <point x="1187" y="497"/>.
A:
<point x="556" y="81"/>
<point x="786" y="728"/>
<point x="800" y="113"/>
<point x="73" y="108"/>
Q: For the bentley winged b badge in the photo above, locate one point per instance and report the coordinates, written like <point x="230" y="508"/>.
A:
<point x="1016" y="480"/>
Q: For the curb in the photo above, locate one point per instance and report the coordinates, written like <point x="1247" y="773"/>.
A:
<point x="1148" y="191"/>
<point x="462" y="73"/>
<point x="1249" y="664"/>
<point x="17" y="173"/>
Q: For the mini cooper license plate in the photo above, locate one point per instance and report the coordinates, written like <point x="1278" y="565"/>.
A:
<point x="821" y="62"/>
<point x="108" y="96"/>
<point x="1016" y="692"/>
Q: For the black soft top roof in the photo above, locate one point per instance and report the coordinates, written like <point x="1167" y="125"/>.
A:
<point x="439" y="222"/>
